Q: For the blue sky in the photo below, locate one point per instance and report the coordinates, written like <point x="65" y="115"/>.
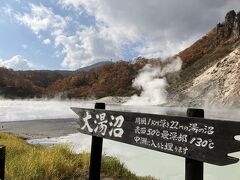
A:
<point x="69" y="34"/>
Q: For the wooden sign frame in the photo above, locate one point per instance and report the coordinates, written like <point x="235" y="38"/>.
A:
<point x="197" y="139"/>
<point x="204" y="140"/>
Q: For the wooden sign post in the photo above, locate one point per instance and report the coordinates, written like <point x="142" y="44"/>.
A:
<point x="193" y="168"/>
<point x="195" y="138"/>
<point x="2" y="162"/>
<point x="96" y="152"/>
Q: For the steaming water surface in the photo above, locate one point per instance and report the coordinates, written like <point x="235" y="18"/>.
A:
<point x="139" y="160"/>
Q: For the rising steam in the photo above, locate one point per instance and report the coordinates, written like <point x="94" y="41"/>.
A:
<point x="152" y="82"/>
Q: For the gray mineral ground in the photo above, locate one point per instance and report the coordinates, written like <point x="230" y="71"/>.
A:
<point x="44" y="128"/>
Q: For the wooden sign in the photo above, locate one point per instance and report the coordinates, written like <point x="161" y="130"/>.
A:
<point x="200" y="139"/>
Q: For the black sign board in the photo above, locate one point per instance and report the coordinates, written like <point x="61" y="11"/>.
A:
<point x="200" y="139"/>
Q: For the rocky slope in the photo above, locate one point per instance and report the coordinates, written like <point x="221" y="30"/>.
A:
<point x="218" y="85"/>
<point x="211" y="70"/>
<point x="224" y="34"/>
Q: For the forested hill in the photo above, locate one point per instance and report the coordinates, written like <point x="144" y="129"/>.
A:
<point x="27" y="84"/>
<point x="109" y="79"/>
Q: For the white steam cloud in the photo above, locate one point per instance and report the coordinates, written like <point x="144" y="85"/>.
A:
<point x="152" y="82"/>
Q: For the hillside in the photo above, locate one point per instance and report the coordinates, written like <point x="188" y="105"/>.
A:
<point x="217" y="85"/>
<point x="26" y="84"/>
<point x="110" y="79"/>
<point x="219" y="41"/>
<point x="66" y="84"/>
<point x="217" y="55"/>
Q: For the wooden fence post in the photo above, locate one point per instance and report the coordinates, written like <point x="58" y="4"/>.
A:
<point x="2" y="162"/>
<point x="193" y="168"/>
<point x="96" y="152"/>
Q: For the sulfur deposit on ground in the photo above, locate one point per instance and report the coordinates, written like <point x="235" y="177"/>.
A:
<point x="219" y="84"/>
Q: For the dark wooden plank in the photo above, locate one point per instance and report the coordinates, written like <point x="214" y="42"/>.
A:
<point x="193" y="168"/>
<point x="2" y="162"/>
<point x="96" y="152"/>
<point x="202" y="140"/>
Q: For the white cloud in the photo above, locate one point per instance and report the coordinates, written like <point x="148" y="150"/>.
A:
<point x="42" y="18"/>
<point x="86" y="47"/>
<point x="47" y="41"/>
<point x="147" y="28"/>
<point x="17" y="63"/>
<point x="74" y="3"/>
<point x="7" y="10"/>
<point x="162" y="27"/>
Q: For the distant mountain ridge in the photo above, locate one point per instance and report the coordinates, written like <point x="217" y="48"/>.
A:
<point x="67" y="72"/>
<point x="94" y="66"/>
